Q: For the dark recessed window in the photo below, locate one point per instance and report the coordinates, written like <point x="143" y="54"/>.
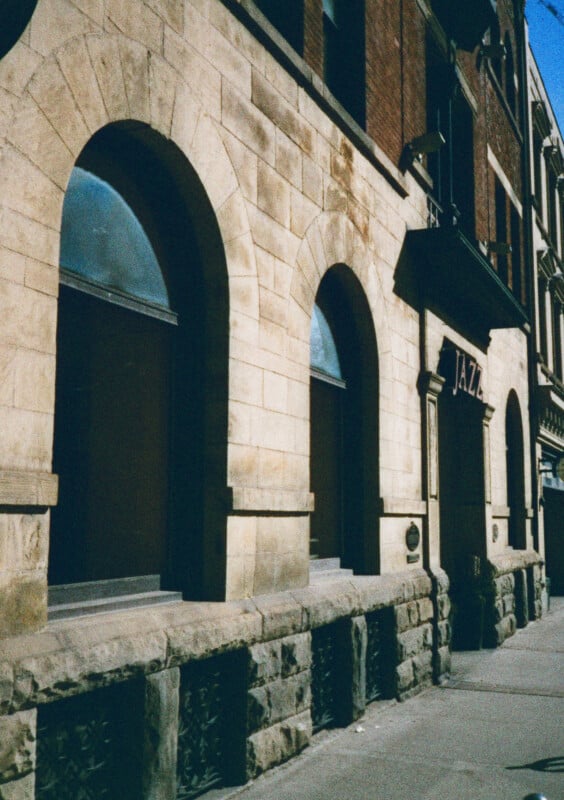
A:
<point x="287" y="16"/>
<point x="344" y="54"/>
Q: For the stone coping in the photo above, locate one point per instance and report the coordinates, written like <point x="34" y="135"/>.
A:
<point x="512" y="560"/>
<point x="81" y="654"/>
<point x="26" y="489"/>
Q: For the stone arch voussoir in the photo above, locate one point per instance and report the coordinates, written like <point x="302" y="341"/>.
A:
<point x="95" y="80"/>
<point x="331" y="239"/>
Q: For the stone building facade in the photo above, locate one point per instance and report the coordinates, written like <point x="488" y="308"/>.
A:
<point x="547" y="226"/>
<point x="264" y="443"/>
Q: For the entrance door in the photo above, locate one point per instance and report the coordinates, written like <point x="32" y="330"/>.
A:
<point x="326" y="538"/>
<point x="462" y="511"/>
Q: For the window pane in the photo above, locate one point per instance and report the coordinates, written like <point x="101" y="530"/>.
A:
<point x="102" y="240"/>
<point x="324" y="356"/>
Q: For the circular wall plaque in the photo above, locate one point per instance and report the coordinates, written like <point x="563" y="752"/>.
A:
<point x="14" y="17"/>
<point x="412" y="537"/>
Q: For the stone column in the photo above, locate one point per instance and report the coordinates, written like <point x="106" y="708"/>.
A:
<point x="430" y="386"/>
<point x="357" y="648"/>
<point x="161" y="735"/>
<point x="17" y="755"/>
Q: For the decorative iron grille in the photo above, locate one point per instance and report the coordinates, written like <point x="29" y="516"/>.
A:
<point x="324" y="676"/>
<point x="211" y="725"/>
<point x="90" y="747"/>
<point x="378" y="655"/>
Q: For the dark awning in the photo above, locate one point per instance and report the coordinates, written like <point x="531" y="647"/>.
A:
<point x="455" y="277"/>
<point x="464" y="24"/>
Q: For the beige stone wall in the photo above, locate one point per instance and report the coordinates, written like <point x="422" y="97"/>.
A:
<point x="292" y="197"/>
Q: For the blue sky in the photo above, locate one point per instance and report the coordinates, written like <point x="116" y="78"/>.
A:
<point x="546" y="35"/>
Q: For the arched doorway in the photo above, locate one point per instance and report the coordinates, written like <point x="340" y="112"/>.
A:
<point x="514" y="454"/>
<point x="462" y="491"/>
<point x="135" y="343"/>
<point x="344" y="425"/>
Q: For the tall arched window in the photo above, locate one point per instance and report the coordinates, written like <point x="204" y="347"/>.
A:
<point x="344" y="425"/>
<point x="515" y="473"/>
<point x="133" y="347"/>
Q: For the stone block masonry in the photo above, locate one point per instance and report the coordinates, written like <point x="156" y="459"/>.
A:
<point x="265" y="644"/>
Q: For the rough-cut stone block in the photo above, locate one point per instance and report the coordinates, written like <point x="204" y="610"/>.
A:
<point x="161" y="735"/>
<point x="296" y="654"/>
<point x="423" y="668"/>
<point x="404" y="677"/>
<point x="444" y="633"/>
<point x="17" y="745"/>
<point x="411" y="642"/>
<point x="264" y="663"/>
<point x="443" y="605"/>
<point x="258" y="708"/>
<point x="443" y="664"/>
<point x="426" y="611"/>
<point x="278" y="743"/>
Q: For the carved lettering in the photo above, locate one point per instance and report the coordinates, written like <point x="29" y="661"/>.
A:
<point x="467" y="375"/>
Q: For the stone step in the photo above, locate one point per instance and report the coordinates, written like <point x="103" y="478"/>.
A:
<point x="116" y="603"/>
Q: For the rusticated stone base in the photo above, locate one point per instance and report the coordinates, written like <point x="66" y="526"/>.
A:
<point x="391" y="643"/>
<point x="513" y="594"/>
<point x="278" y="743"/>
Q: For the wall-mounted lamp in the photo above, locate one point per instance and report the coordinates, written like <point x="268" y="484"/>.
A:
<point x="499" y="248"/>
<point x="426" y="143"/>
<point x="493" y="52"/>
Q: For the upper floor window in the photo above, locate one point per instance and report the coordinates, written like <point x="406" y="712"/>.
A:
<point x="344" y="54"/>
<point x="287" y="16"/>
<point x="452" y="166"/>
<point x="510" y="88"/>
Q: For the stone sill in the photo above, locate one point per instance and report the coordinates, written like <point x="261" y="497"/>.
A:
<point x="26" y="489"/>
<point x="512" y="560"/>
<point x="77" y="655"/>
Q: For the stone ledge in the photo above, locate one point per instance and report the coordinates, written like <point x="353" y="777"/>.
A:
<point x="512" y="560"/>
<point x="269" y="501"/>
<point x="402" y="507"/>
<point x="77" y="655"/>
<point x="26" y="489"/>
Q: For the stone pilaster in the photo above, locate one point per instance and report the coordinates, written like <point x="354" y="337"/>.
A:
<point x="161" y="735"/>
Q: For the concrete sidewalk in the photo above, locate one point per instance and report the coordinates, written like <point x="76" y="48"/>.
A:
<point x="494" y="732"/>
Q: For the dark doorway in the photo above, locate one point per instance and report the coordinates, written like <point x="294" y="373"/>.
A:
<point x="344" y="425"/>
<point x="462" y="511"/>
<point x="554" y="538"/>
<point x="515" y="474"/>
<point x="134" y="384"/>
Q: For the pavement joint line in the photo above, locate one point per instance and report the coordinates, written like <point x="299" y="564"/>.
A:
<point x="468" y="686"/>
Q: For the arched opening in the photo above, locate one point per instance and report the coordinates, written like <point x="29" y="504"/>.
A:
<point x="462" y="491"/>
<point x="141" y="367"/>
<point x="344" y="425"/>
<point x="514" y="454"/>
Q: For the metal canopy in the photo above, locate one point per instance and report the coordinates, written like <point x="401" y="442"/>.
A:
<point x="458" y="279"/>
